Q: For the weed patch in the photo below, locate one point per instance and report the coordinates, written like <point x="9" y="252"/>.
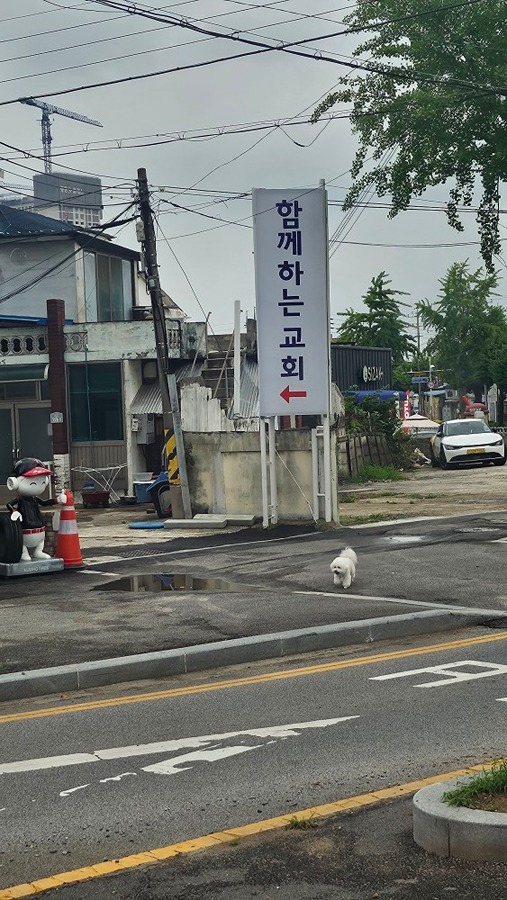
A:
<point x="301" y="824"/>
<point x="368" y="519"/>
<point x="475" y="793"/>
<point x="371" y="472"/>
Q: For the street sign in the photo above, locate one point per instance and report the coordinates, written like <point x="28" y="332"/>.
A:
<point x="291" y="283"/>
<point x="419" y="379"/>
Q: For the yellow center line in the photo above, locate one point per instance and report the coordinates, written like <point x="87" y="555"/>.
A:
<point x="249" y="680"/>
<point x="228" y="835"/>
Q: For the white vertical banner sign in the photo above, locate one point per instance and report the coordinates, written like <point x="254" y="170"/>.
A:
<point x="291" y="282"/>
<point x="293" y="339"/>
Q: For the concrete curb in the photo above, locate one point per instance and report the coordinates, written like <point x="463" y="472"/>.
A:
<point x="164" y="663"/>
<point x="455" y="831"/>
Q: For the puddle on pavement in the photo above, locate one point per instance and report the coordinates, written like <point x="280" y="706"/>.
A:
<point x="166" y="581"/>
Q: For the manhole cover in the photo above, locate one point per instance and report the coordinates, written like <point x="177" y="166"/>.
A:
<point x="166" y="581"/>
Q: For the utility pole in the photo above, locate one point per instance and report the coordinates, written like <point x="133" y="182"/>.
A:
<point x="173" y="434"/>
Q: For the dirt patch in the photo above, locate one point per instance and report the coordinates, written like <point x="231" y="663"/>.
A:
<point x="490" y="802"/>
<point x="426" y="492"/>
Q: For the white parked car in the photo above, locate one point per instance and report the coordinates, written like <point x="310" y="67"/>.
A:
<point x="462" y="441"/>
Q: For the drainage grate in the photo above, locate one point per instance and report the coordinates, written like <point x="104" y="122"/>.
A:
<point x="134" y="554"/>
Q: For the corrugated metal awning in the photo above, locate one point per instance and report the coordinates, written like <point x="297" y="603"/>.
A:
<point x="147" y="400"/>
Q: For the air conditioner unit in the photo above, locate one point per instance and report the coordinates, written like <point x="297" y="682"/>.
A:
<point x="141" y="313"/>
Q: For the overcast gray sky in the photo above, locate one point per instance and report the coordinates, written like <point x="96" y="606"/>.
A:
<point x="47" y="47"/>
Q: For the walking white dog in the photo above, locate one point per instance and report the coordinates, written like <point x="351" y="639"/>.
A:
<point x="343" y="567"/>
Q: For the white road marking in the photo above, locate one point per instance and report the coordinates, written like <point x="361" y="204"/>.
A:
<point x="70" y="791"/>
<point x="104" y="574"/>
<point x="451" y="671"/>
<point x="349" y="596"/>
<point x="116" y="777"/>
<point x="74" y="759"/>
<point x="169" y="766"/>
<point x="48" y="762"/>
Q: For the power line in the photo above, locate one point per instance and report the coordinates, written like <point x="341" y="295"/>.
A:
<point x="204" y="134"/>
<point x="416" y="246"/>
<point x="288" y="47"/>
<point x="108" y="40"/>
<point x="403" y="75"/>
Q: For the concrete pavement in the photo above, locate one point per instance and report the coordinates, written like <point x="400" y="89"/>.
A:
<point x="260" y="594"/>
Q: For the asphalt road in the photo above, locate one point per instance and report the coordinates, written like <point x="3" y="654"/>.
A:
<point x="76" y="617"/>
<point x="115" y="779"/>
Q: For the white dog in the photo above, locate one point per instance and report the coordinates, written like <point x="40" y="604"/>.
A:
<point x="343" y="567"/>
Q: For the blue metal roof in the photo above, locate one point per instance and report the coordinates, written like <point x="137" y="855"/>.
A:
<point x="19" y="223"/>
<point x="359" y="396"/>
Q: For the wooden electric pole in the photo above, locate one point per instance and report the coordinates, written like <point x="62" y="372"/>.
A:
<point x="173" y="434"/>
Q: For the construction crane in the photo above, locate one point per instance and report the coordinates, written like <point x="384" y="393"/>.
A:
<point x="47" y="111"/>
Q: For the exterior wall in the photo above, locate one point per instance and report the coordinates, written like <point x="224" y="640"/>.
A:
<point x="224" y="473"/>
<point x="348" y="363"/>
<point x="109" y="341"/>
<point x="24" y="261"/>
<point x="132" y="380"/>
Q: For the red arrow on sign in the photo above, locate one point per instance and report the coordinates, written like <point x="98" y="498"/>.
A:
<point x="287" y="394"/>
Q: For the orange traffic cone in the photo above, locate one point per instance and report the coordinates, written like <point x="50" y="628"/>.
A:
<point x="67" y="545"/>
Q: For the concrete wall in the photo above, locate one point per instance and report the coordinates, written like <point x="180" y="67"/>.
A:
<point x="225" y="473"/>
<point x="201" y="412"/>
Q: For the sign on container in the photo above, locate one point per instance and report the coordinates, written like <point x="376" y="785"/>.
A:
<point x="291" y="281"/>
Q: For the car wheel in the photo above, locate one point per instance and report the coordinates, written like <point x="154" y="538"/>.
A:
<point x="443" y="462"/>
<point x="11" y="540"/>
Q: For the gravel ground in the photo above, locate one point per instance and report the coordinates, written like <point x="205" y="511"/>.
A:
<point x="426" y="492"/>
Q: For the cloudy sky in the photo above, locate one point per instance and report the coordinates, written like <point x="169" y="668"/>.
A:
<point x="178" y="126"/>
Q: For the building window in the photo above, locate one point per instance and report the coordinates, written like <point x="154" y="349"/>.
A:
<point x="96" y="409"/>
<point x="109" y="289"/>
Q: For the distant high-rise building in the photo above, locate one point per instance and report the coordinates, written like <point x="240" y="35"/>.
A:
<point x="76" y="199"/>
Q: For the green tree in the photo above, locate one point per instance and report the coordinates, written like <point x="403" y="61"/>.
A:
<point x="431" y="102"/>
<point x="496" y="356"/>
<point x="383" y="324"/>
<point x="467" y="327"/>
